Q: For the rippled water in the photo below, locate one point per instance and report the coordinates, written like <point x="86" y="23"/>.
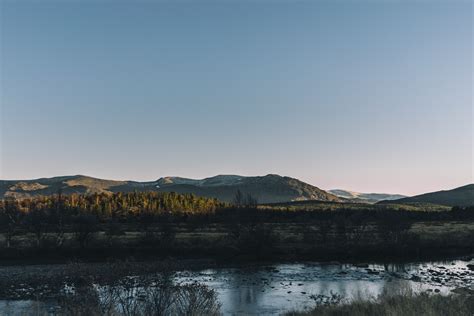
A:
<point x="273" y="289"/>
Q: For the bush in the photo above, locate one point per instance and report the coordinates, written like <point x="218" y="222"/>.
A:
<point x="406" y="304"/>
<point x="137" y="296"/>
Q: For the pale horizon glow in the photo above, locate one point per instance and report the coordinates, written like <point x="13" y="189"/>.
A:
<point x="364" y="96"/>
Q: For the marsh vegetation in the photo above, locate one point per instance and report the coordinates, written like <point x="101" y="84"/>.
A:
<point x="406" y="303"/>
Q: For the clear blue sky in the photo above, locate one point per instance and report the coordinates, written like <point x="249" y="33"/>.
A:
<point x="362" y="95"/>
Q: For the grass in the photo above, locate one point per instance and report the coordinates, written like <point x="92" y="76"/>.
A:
<point x="335" y="206"/>
<point x="326" y="240"/>
<point x="402" y="304"/>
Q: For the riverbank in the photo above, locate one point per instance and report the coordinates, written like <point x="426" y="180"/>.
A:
<point x="321" y="241"/>
<point x="406" y="304"/>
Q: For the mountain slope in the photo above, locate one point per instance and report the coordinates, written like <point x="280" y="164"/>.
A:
<point x="266" y="189"/>
<point x="462" y="196"/>
<point x="47" y="186"/>
<point x="365" y="197"/>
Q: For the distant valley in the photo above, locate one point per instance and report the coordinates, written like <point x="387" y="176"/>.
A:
<point x="366" y="197"/>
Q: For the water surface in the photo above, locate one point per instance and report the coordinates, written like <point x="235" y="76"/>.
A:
<point x="276" y="288"/>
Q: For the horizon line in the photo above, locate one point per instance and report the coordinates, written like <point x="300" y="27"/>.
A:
<point x="231" y="174"/>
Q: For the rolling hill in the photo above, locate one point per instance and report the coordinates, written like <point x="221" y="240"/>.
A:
<point x="266" y="189"/>
<point x="462" y="196"/>
<point x="365" y="197"/>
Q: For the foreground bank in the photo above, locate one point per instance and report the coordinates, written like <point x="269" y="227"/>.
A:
<point x="406" y="304"/>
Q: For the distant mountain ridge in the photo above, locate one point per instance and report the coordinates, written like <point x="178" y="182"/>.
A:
<point x="271" y="188"/>
<point x="462" y="196"/>
<point x="212" y="181"/>
<point x="366" y="197"/>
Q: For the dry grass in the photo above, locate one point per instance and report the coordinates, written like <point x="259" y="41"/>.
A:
<point x="400" y="304"/>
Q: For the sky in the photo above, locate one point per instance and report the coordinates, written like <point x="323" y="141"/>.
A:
<point x="371" y="96"/>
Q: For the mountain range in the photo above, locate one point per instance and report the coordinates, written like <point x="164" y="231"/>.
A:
<point x="462" y="196"/>
<point x="266" y="189"/>
<point x="271" y="188"/>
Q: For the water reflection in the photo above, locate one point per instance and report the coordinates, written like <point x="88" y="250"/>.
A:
<point x="272" y="289"/>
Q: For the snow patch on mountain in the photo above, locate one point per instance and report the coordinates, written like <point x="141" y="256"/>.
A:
<point x="369" y="197"/>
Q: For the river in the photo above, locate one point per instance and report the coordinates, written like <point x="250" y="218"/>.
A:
<point x="270" y="289"/>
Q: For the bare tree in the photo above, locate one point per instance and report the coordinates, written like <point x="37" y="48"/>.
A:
<point x="85" y="226"/>
<point x="36" y="223"/>
<point x="141" y="296"/>
<point x="9" y="219"/>
<point x="197" y="299"/>
<point x="248" y="200"/>
<point x="239" y="198"/>
<point x="251" y="201"/>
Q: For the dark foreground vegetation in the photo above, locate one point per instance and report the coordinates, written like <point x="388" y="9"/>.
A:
<point x="114" y="289"/>
<point x="400" y="304"/>
<point x="140" y="296"/>
<point x="163" y="224"/>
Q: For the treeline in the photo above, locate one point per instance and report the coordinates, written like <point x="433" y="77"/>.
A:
<point x="116" y="205"/>
<point x="152" y="221"/>
<point x="83" y="213"/>
<point x="173" y="207"/>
